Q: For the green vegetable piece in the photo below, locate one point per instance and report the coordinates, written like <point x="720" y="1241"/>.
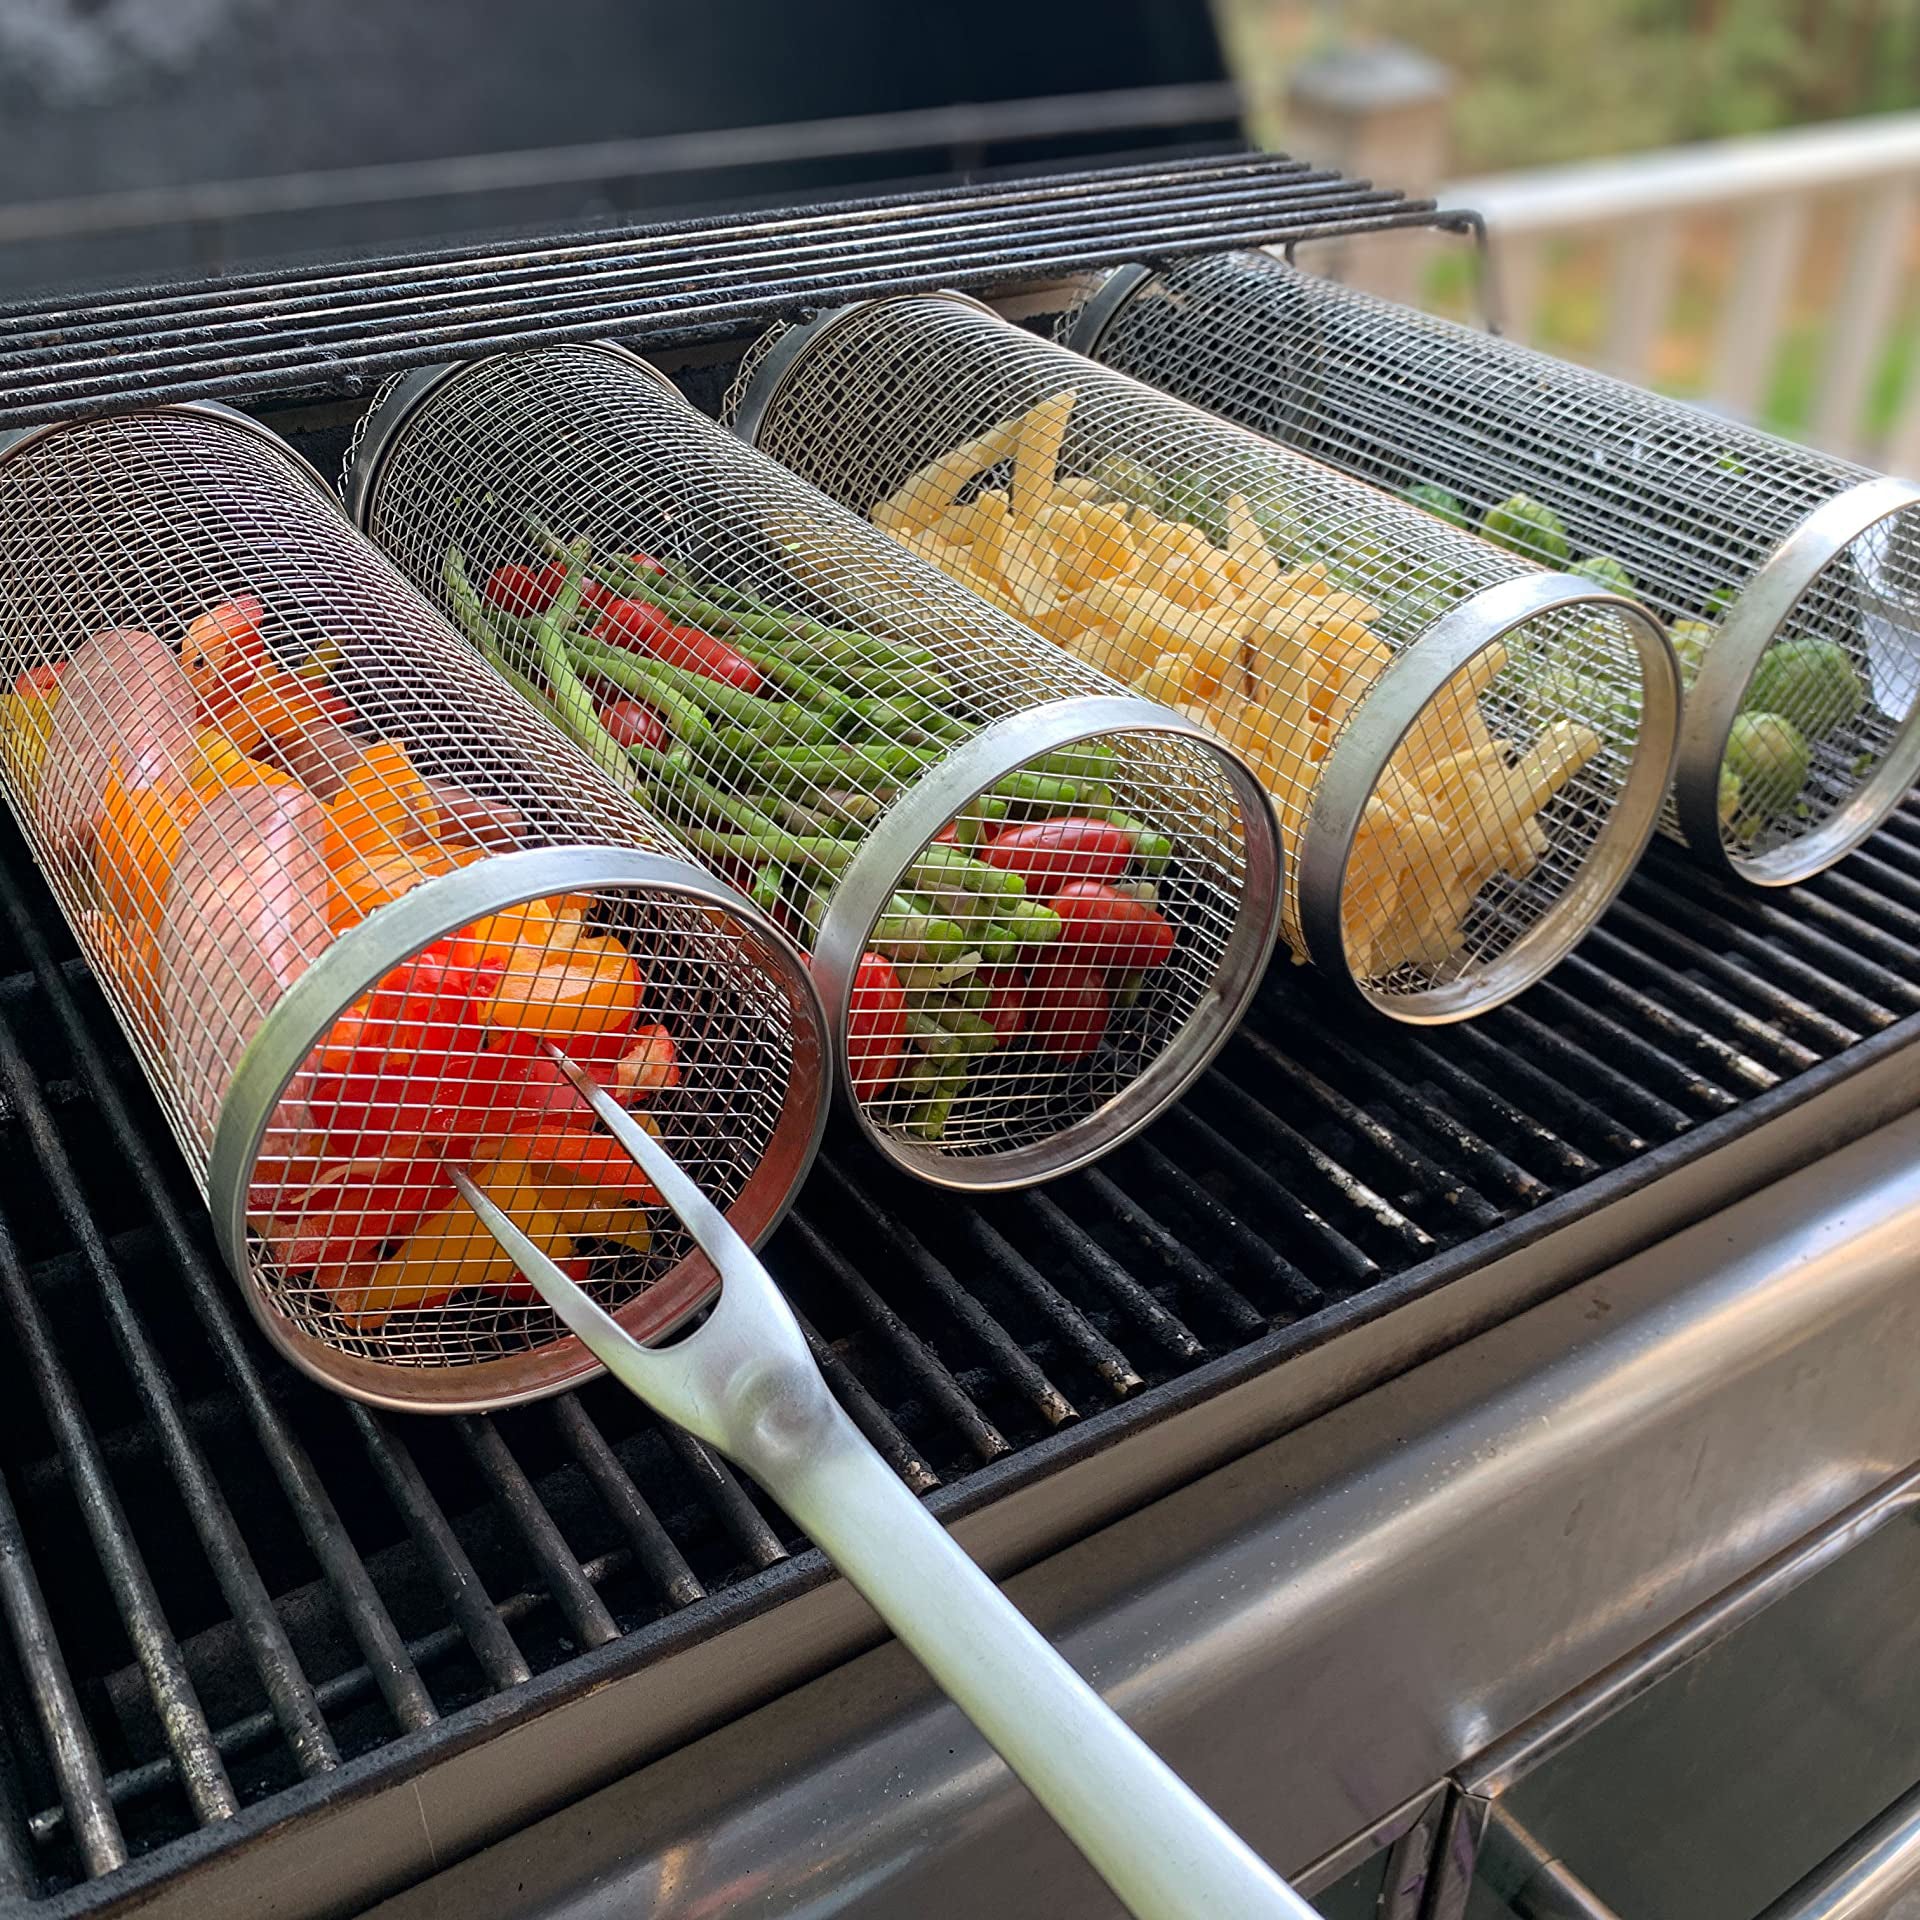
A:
<point x="934" y="1082"/>
<point x="906" y="931"/>
<point x="1769" y="756"/>
<point x="1026" y="923"/>
<point x="1813" y="683"/>
<point x="1523" y="526"/>
<point x="960" y="1033"/>
<point x="1605" y="571"/>
<point x="939" y="866"/>
<point x="1691" y="641"/>
<point x="1432" y="498"/>
<point x="1728" y="799"/>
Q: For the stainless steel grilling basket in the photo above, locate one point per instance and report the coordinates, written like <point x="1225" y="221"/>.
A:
<point x="344" y="892"/>
<point x="1465" y="754"/>
<point x="1792" y="579"/>
<point x="1036" y="903"/>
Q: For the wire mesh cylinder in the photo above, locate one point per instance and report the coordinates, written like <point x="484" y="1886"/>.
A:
<point x="1465" y="754"/>
<point x="1035" y="904"/>
<point x="1792" y="579"/>
<point x="342" y="889"/>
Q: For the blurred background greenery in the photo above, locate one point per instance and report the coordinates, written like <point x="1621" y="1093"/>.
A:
<point x="1536" y="84"/>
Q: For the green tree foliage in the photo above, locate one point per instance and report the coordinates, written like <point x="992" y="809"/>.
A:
<point x="1548" y="80"/>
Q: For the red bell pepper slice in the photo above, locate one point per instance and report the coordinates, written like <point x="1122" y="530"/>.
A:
<point x="1067" y="1010"/>
<point x="563" y="1156"/>
<point x="1050" y="854"/>
<point x="524" y="590"/>
<point x="876" y="1026"/>
<point x="1008" y="1011"/>
<point x="1103" y="927"/>
<point x="641" y="628"/>
<point x="634" y="724"/>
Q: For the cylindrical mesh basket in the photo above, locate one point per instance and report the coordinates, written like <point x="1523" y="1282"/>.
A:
<point x="1792" y="579"/>
<point x="1035" y="904"/>
<point x="1465" y="754"/>
<point x="343" y="889"/>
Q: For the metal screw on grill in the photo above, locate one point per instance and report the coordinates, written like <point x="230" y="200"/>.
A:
<point x="339" y="892"/>
<point x="1035" y="903"/>
<point x="1465" y="754"/>
<point x="1792" y="579"/>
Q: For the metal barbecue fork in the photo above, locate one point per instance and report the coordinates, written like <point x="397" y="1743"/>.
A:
<point x="745" y="1383"/>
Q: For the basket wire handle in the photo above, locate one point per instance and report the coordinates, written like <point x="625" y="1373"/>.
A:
<point x="745" y="1382"/>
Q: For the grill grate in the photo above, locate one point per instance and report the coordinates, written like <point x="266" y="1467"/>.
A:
<point x="339" y="330"/>
<point x="297" y="1581"/>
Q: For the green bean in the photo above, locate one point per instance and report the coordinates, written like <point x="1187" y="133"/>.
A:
<point x="906" y="931"/>
<point x="938" y="865"/>
<point x="771" y="718"/>
<point x="1026" y="923"/>
<point x="934" y="1082"/>
<point x="1091" y="799"/>
<point x="963" y="1033"/>
<point x="578" y="714"/>
<point x="1152" y="850"/>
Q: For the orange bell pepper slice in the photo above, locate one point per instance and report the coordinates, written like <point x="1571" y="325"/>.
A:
<point x="592" y="1166"/>
<point x="535" y="927"/>
<point x="362" y="886"/>
<point x="450" y="1252"/>
<point x="128" y="960"/>
<point x="383" y="804"/>
<point x="222" y="654"/>
<point x="141" y="827"/>
<point x="593" y="988"/>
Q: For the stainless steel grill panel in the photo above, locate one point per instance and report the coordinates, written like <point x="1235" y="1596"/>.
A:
<point x="1465" y="754"/>
<point x="1751" y="542"/>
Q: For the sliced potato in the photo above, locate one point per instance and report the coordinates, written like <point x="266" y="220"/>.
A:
<point x="1037" y="455"/>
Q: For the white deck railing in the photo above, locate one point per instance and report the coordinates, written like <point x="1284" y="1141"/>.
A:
<point x="1777" y="184"/>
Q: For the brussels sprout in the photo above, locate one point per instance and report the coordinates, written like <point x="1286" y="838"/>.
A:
<point x="1524" y="526"/>
<point x="1437" y="501"/>
<point x="1729" y="797"/>
<point x="1126" y="480"/>
<point x="1691" y="640"/>
<point x="1719" y="600"/>
<point x="1769" y="756"/>
<point x="1812" y="682"/>
<point x="1559" y="690"/>
<point x="1605" y="571"/>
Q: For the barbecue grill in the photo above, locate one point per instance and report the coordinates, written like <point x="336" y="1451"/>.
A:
<point x="1337" y="1426"/>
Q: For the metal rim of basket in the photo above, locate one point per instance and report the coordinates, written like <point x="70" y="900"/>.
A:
<point x="1087" y="325"/>
<point x="15" y="441"/>
<point x="871" y="878"/>
<point x="388" y="938"/>
<point x="1747" y="630"/>
<point x="943" y="791"/>
<point x="749" y="412"/>
<point x="1386" y="716"/>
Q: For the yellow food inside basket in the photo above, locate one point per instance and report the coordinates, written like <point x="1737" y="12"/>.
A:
<point x="1273" y="658"/>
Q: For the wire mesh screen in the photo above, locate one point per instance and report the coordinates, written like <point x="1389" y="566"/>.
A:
<point x="289" y="812"/>
<point x="1271" y="600"/>
<point x="1685" y="510"/>
<point x="1032" y="925"/>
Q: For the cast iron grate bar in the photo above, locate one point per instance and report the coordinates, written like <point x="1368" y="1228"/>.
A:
<point x="280" y="1579"/>
<point x="338" y="332"/>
